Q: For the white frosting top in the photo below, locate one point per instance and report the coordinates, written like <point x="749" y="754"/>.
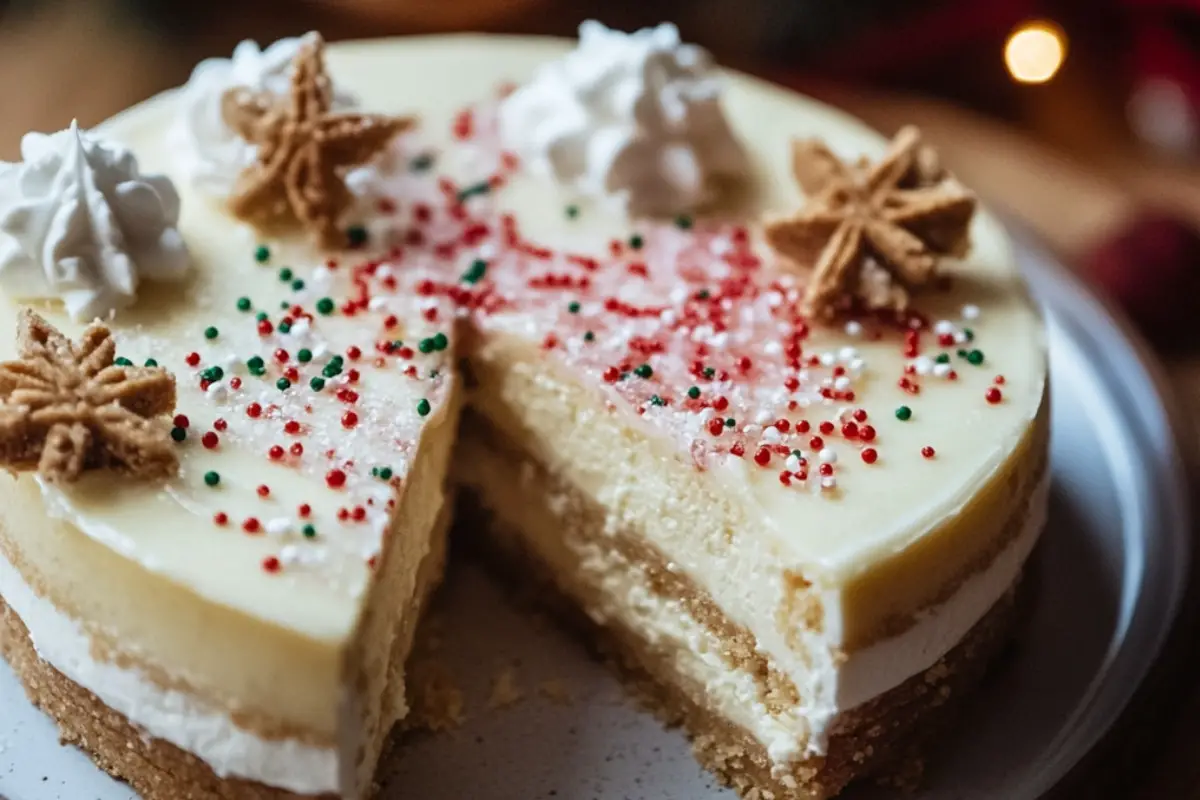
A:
<point x="636" y="117"/>
<point x="213" y="155"/>
<point x="81" y="224"/>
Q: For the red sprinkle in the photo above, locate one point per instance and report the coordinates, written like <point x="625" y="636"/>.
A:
<point x="265" y="328"/>
<point x="251" y="525"/>
<point x="297" y="449"/>
<point x="193" y="359"/>
<point x="264" y="490"/>
<point x="353" y="353"/>
<point x="181" y="421"/>
<point x="358" y="514"/>
<point x="826" y="427"/>
<point x="869" y="455"/>
<point x="928" y="451"/>
<point x="998" y="380"/>
<point x="275" y="453"/>
<point x="762" y="456"/>
<point x="849" y="430"/>
<point x="220" y="424"/>
<point x="254" y="411"/>
<point x="611" y="374"/>
<point x="304" y="510"/>
<point x="816" y="443"/>
<point x="271" y="564"/>
<point x="291" y="426"/>
<point x="867" y="433"/>
<point x="221" y="518"/>
<point x="335" y="479"/>
<point x="803" y="427"/>
<point x="209" y="440"/>
<point x="826" y="470"/>
<point x="860" y="415"/>
<point x="349" y="419"/>
<point x="715" y="426"/>
<point x="993" y="395"/>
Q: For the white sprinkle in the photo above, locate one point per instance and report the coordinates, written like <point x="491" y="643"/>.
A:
<point x="941" y="370"/>
<point x="720" y="246"/>
<point x="960" y="338"/>
<point x="856" y="365"/>
<point x="923" y="365"/>
<point x="763" y="416"/>
<point x="279" y="526"/>
<point x="847" y="353"/>
<point x="289" y="554"/>
<point x="719" y="339"/>
<point x="828" y="359"/>
<point x="218" y="392"/>
<point x="970" y="312"/>
<point x="771" y="435"/>
<point x="486" y="250"/>
<point x="827" y="456"/>
<point x="772" y="348"/>
<point x="792" y="463"/>
<point x="668" y="316"/>
<point x="829" y="482"/>
<point x="943" y="326"/>
<point x="678" y="295"/>
<point x="774" y="299"/>
<point x="841" y="383"/>
<point x="752" y="430"/>
<point x="854" y="328"/>
<point x="232" y="362"/>
<point x="377" y="302"/>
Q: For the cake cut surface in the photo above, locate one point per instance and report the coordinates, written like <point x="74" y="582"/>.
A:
<point x="804" y="529"/>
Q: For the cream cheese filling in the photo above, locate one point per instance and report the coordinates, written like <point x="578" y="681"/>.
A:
<point x="196" y="727"/>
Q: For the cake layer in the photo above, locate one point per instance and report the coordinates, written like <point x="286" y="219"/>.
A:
<point x="635" y="585"/>
<point x="681" y="671"/>
<point x="166" y="741"/>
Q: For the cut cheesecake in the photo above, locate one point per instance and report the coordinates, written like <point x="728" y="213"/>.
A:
<point x="805" y="535"/>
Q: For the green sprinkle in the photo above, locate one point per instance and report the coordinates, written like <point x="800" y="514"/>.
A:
<point x="331" y="370"/>
<point x="572" y="211"/>
<point x="475" y="272"/>
<point x="213" y="374"/>
<point x="904" y="413"/>
<point x="243" y="304"/>
<point x="574" y="306"/>
<point x="694" y="392"/>
<point x="797" y="454"/>
<point x="337" y="361"/>
<point x="423" y="407"/>
<point x="122" y="361"/>
<point x="975" y="357"/>
<point x="212" y="478"/>
<point x="325" y="306"/>
<point x="150" y="362"/>
<point x="483" y="187"/>
<point x="655" y="400"/>
<point x="178" y="434"/>
<point x="970" y="334"/>
<point x="588" y="336"/>
<point x="961" y="353"/>
<point x="283" y="305"/>
<point x="254" y="362"/>
<point x="421" y="163"/>
<point x="425" y="345"/>
<point x="285" y="327"/>
<point x="304" y="355"/>
<point x="356" y="235"/>
<point x="383" y="473"/>
<point x="636" y="241"/>
<point x="211" y="333"/>
<point x="683" y="222"/>
<point x="440" y="342"/>
<point x="643" y="371"/>
<point x="709" y="372"/>
<point x="262" y="316"/>
<point x="283" y="384"/>
<point x="316" y="384"/>
<point x="433" y="373"/>
<point x="262" y="254"/>
<point x="729" y="422"/>
<point x="943" y="358"/>
<point x="703" y="294"/>
<point x="309" y="531"/>
<point x="285" y="274"/>
<point x="297" y="285"/>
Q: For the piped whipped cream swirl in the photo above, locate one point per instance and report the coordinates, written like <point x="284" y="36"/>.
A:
<point x="80" y="223"/>
<point x="212" y="155"/>
<point x="633" y="117"/>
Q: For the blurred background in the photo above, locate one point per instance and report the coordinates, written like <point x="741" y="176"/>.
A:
<point x="1078" y="119"/>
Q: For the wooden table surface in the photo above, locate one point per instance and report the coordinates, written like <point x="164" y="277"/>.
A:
<point x="76" y="62"/>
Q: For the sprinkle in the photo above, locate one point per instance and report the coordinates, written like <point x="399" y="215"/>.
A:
<point x="243" y="304"/>
<point x="304" y="355"/>
<point x="693" y="392"/>
<point x="683" y="222"/>
<point x="271" y="564"/>
<point x="636" y="241"/>
<point x="251" y="525"/>
<point x="869" y="455"/>
<point x="335" y="479"/>
<point x="573" y="307"/>
<point x="975" y="357"/>
<point x="854" y="328"/>
<point x="903" y="413"/>
<point x="285" y="274"/>
<point x="356" y="235"/>
<point x="827" y="456"/>
<point x="221" y="518"/>
<point x="308" y="531"/>
<point x="644" y="371"/>
<point x="263" y="490"/>
<point x="262" y="254"/>
<point x="572" y="211"/>
<point x="212" y="478"/>
<point x="275" y="453"/>
<point x="297" y="285"/>
<point x="121" y="361"/>
<point x="316" y="383"/>
<point x="475" y="272"/>
<point x="325" y="306"/>
<point x="210" y="440"/>
<point x="423" y="407"/>
<point x="150" y="362"/>
<point x="178" y="434"/>
<point x="943" y="326"/>
<point x="421" y="163"/>
<point x="970" y="312"/>
<point x="283" y="384"/>
<point x="993" y="395"/>
<point x="928" y="451"/>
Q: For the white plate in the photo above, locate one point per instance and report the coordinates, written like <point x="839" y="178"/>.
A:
<point x="1109" y="578"/>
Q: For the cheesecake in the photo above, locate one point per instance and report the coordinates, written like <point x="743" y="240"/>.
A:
<point x="753" y="391"/>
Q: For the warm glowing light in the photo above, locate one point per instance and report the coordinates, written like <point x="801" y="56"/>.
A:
<point x="1035" y="51"/>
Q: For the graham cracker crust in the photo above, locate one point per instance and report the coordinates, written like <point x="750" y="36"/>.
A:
<point x="886" y="738"/>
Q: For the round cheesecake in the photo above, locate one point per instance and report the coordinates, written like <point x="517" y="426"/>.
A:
<point x="807" y="533"/>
